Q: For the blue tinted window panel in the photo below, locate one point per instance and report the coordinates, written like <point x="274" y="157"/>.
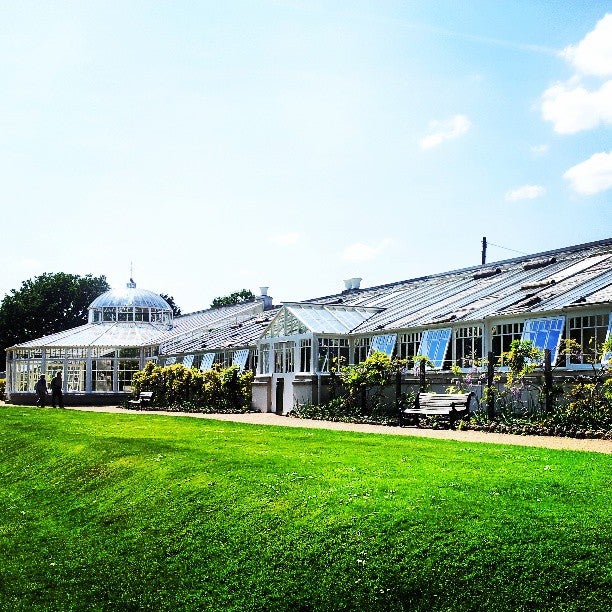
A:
<point x="207" y="361"/>
<point x="170" y="360"/>
<point x="434" y="343"/>
<point x="384" y="344"/>
<point x="545" y="334"/>
<point x="188" y="361"/>
<point x="239" y="358"/>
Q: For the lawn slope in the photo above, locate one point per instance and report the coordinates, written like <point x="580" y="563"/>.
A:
<point x="132" y="512"/>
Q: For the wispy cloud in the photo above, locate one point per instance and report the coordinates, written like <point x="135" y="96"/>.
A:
<point x="445" y="130"/>
<point x="591" y="176"/>
<point x="359" y="251"/>
<point x="526" y="192"/>
<point x="288" y="239"/>
<point x="572" y="106"/>
<point x="541" y="149"/>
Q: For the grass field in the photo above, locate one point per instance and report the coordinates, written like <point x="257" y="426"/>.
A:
<point x="134" y="512"/>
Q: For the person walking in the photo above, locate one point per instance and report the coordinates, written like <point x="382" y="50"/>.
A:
<point x="57" y="396"/>
<point x="41" y="391"/>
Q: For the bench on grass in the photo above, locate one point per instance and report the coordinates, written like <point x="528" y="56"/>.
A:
<point x="451" y="406"/>
<point x="144" y="399"/>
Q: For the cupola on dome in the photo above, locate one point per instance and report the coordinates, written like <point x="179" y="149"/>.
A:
<point x="130" y="305"/>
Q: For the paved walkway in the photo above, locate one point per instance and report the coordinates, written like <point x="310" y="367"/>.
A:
<point x="261" y="418"/>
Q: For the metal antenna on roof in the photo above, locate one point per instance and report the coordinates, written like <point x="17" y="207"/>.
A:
<point x="131" y="284"/>
<point x="484" y="250"/>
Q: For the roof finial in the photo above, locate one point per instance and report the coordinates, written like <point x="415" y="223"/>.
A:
<point x="131" y="284"/>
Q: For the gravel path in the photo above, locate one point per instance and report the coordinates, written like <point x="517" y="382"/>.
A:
<point x="262" y="418"/>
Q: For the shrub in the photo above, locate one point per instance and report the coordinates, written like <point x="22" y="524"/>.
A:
<point x="363" y="393"/>
<point x="588" y="403"/>
<point x="2" y="387"/>
<point x="179" y="388"/>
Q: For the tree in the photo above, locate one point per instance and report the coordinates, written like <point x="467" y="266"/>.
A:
<point x="176" y="311"/>
<point x="46" y="304"/>
<point x="238" y="297"/>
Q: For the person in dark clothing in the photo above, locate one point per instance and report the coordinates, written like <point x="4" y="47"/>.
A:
<point x="41" y="391"/>
<point x="57" y="397"/>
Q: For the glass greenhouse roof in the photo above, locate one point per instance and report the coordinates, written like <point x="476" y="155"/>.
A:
<point x="327" y="319"/>
<point x="117" y="334"/>
<point x="130" y="296"/>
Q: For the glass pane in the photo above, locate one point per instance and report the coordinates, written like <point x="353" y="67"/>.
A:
<point x="434" y="343"/>
<point x="125" y="370"/>
<point x="102" y="375"/>
<point x="240" y="358"/>
<point x="75" y="376"/>
<point x="207" y="361"/>
<point x="53" y="367"/>
<point x="545" y="334"/>
<point x="384" y="344"/>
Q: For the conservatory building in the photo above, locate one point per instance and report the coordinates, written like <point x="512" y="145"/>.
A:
<point x="455" y="319"/>
<point x="99" y="357"/>
<point x="125" y="329"/>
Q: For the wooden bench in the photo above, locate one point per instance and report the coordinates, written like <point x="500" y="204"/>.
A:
<point x="144" y="399"/>
<point x="451" y="406"/>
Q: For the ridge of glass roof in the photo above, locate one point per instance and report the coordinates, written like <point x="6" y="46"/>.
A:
<point x="330" y="319"/>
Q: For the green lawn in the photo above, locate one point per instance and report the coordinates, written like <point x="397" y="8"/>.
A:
<point x="132" y="512"/>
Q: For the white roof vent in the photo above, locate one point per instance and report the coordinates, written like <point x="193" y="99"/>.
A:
<point x="352" y="283"/>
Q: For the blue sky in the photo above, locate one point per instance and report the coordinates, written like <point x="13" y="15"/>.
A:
<point x="216" y="146"/>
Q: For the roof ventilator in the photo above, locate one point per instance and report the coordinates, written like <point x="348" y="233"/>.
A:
<point x="538" y="285"/>
<point x="352" y="283"/>
<point x="265" y="298"/>
<point x="487" y="273"/>
<point x="444" y="318"/>
<point x="539" y="263"/>
<point x="532" y="301"/>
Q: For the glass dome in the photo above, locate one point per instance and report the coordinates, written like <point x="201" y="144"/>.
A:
<point x="130" y="305"/>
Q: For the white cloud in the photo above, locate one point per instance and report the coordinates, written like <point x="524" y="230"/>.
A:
<point x="526" y="192"/>
<point x="445" y="130"/>
<point x="593" y="54"/>
<point x="541" y="149"/>
<point x="591" y="176"/>
<point x="572" y="107"/>
<point x="288" y="239"/>
<point x="360" y="251"/>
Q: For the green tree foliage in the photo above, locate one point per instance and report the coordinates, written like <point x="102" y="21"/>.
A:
<point x="176" y="311"/>
<point x="46" y="304"/>
<point x="238" y="297"/>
